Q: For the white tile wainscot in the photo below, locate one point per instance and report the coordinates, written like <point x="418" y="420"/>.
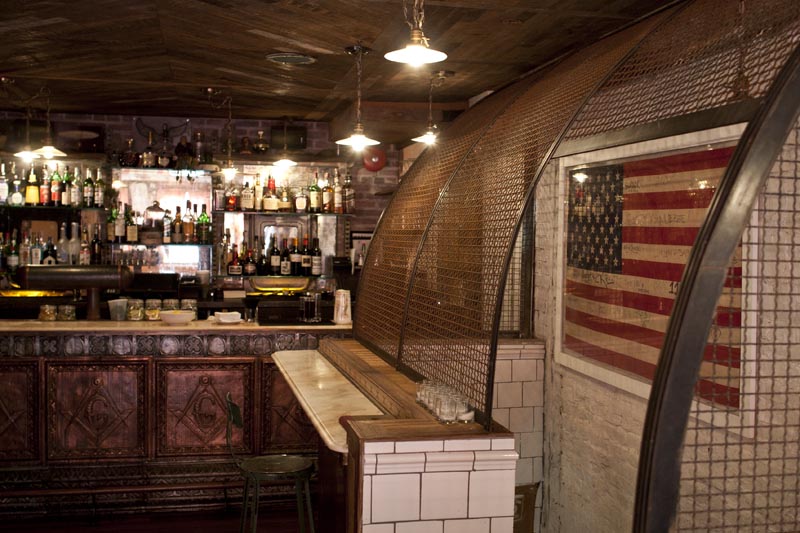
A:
<point x="466" y="484"/>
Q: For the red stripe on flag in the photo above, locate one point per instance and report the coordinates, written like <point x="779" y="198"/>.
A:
<point x="671" y="271"/>
<point x="708" y="390"/>
<point x="679" y="162"/>
<point x="720" y="354"/>
<point x="686" y="199"/>
<point x="725" y="317"/>
<point x="658" y="235"/>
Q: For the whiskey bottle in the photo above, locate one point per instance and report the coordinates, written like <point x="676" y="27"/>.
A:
<point x="3" y="185"/>
<point x="99" y="189"/>
<point x="203" y="230"/>
<point x="44" y="187"/>
<point x="85" y="257"/>
<point x="119" y="224"/>
<point x="258" y="197"/>
<point x="188" y="224"/>
<point x="88" y="189"/>
<point x="247" y="199"/>
<point x="177" y="226"/>
<point x="349" y="195"/>
<point x="131" y="227"/>
<point x="327" y="194"/>
<point x="234" y="268"/>
<point x="96" y="250"/>
<point x="338" y="194"/>
<point x="314" y="195"/>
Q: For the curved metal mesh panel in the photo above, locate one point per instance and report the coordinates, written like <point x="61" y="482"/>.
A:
<point x="741" y="467"/>
<point x="713" y="53"/>
<point x="385" y="279"/>
<point x="459" y="274"/>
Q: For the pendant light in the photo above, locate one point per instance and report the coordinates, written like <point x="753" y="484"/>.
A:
<point x="429" y="137"/>
<point x="284" y="161"/>
<point x="48" y="151"/>
<point x="357" y="139"/>
<point x="229" y="171"/>
<point x="417" y="52"/>
<point x="26" y="154"/>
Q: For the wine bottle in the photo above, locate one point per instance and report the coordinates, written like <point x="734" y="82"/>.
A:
<point x="177" y="226"/>
<point x="305" y="257"/>
<point x="249" y="268"/>
<point x="262" y="262"/>
<point x="66" y="188"/>
<point x="286" y="262"/>
<point x="96" y="251"/>
<point x="62" y="248"/>
<point x="75" y="193"/>
<point x="88" y="189"/>
<point x="275" y="258"/>
<point x="316" y="259"/>
<point x="295" y="259"/>
<point x="99" y="189"/>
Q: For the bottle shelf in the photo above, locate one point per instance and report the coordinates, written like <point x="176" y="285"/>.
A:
<point x="181" y="244"/>
<point x="279" y="213"/>
<point x="58" y="208"/>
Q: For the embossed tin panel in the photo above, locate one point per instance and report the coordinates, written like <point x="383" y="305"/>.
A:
<point x="191" y="409"/>
<point x="19" y="407"/>
<point x="285" y="426"/>
<point x="96" y="409"/>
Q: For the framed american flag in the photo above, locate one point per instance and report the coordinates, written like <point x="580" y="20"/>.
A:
<point x="629" y="224"/>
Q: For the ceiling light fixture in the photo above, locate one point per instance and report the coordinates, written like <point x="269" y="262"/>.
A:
<point x="48" y="151"/>
<point x="429" y="137"/>
<point x="357" y="139"/>
<point x="26" y="154"/>
<point x="418" y="51"/>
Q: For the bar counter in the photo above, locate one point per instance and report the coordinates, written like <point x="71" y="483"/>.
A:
<point x="102" y="416"/>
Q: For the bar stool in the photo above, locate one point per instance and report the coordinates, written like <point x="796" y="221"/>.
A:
<point x="256" y="470"/>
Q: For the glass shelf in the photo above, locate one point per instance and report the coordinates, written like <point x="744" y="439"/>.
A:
<point x="279" y="213"/>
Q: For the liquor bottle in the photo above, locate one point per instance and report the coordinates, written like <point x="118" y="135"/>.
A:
<point x="232" y="197"/>
<point x="177" y="226"/>
<point x="327" y="194"/>
<point x="285" y="203"/>
<point x="3" y="185"/>
<point x="66" y="187"/>
<point x="274" y="258"/>
<point x="131" y="227"/>
<point x="62" y="249"/>
<point x="119" y="224"/>
<point x="243" y="248"/>
<point x="55" y="187"/>
<point x="270" y="197"/>
<point x="36" y="249"/>
<point x="305" y="257"/>
<point x="74" y="245"/>
<point x="75" y="192"/>
<point x="49" y="255"/>
<point x="32" y="190"/>
<point x="44" y="187"/>
<point x="286" y="264"/>
<point x="111" y="220"/>
<point x="249" y="268"/>
<point x="234" y="268"/>
<point x="96" y="251"/>
<point x="349" y="195"/>
<point x="188" y="224"/>
<point x="166" y="233"/>
<point x="85" y="254"/>
<point x="148" y="159"/>
<point x="295" y="259"/>
<point x="316" y="259"/>
<point x="12" y="260"/>
<point x="88" y="189"/>
<point x="204" y="227"/>
<point x="16" y="198"/>
<point x="314" y="195"/>
<point x="258" y="199"/>
<point x="99" y="189"/>
<point x="301" y="201"/>
<point x="338" y="194"/>
<point x="247" y="199"/>
<point x="25" y="250"/>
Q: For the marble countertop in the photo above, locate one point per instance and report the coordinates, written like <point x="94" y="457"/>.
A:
<point x="324" y="393"/>
<point x="153" y="327"/>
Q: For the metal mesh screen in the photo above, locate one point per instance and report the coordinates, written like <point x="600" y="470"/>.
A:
<point x="385" y="279"/>
<point x="458" y="276"/>
<point x="740" y="467"/>
<point x="713" y="53"/>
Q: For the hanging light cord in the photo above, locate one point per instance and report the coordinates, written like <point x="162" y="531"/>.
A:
<point x="228" y="128"/>
<point x="359" y="50"/>
<point x="430" y="102"/>
<point x="417" y="16"/>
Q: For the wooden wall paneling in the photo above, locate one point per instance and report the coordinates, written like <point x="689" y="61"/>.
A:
<point x="285" y="426"/>
<point x="191" y="412"/>
<point x="19" y="409"/>
<point x="96" y="409"/>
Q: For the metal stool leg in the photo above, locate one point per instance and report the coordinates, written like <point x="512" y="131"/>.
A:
<point x="245" y="503"/>
<point x="298" y="492"/>
<point x="254" y="524"/>
<point x="308" y="506"/>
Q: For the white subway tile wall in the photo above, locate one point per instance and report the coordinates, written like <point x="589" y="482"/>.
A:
<point x="463" y="485"/>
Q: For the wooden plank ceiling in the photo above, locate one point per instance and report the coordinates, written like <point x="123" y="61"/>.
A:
<point x="157" y="57"/>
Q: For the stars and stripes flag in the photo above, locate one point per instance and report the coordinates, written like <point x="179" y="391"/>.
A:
<point x="630" y="229"/>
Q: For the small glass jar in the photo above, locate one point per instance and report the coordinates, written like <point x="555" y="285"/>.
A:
<point x="152" y="309"/>
<point x="66" y="312"/>
<point x="188" y="304"/>
<point x="170" y="304"/>
<point x="47" y="313"/>
<point x="135" y="309"/>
